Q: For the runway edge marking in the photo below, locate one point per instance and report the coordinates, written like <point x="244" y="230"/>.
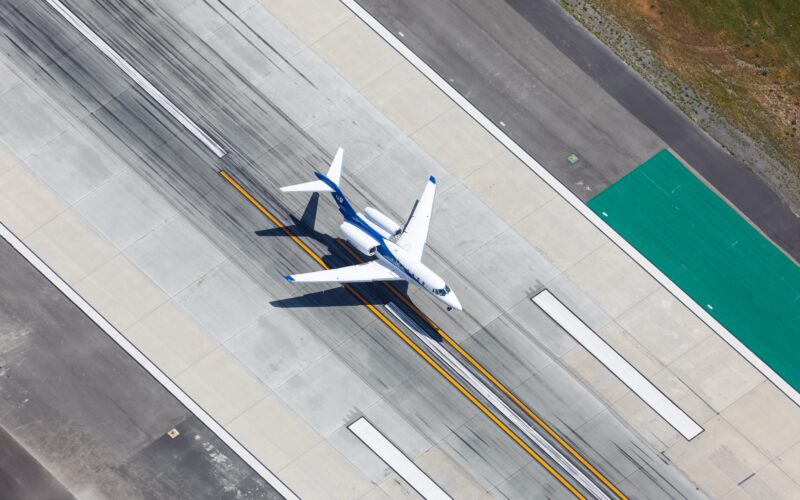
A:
<point x="573" y="200"/>
<point x="535" y="417"/>
<point x="145" y="363"/>
<point x="137" y="77"/>
<point x="616" y="364"/>
<point x="436" y="366"/>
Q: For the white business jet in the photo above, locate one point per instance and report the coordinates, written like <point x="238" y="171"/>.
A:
<point x="398" y="251"/>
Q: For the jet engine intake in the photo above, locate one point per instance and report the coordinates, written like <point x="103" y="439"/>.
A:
<point x="382" y="221"/>
<point x="359" y="239"/>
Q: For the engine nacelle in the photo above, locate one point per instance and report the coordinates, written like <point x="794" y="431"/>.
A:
<point x="382" y="221"/>
<point x="359" y="239"/>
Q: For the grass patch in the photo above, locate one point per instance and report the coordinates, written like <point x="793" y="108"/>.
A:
<point x="743" y="56"/>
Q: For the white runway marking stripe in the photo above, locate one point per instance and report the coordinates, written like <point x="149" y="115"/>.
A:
<point x="395" y="459"/>
<point x="145" y="363"/>
<point x="519" y="422"/>
<point x="573" y="200"/>
<point x="618" y="365"/>
<point x="137" y="77"/>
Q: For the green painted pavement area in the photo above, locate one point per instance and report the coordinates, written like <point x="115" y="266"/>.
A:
<point x="720" y="260"/>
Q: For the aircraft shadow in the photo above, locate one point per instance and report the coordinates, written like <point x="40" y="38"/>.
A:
<point x="336" y="257"/>
<point x="331" y="297"/>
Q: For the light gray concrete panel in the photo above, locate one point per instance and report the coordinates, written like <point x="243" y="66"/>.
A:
<point x="174" y="255"/>
<point x="462" y="224"/>
<point x="532" y="481"/>
<point x="27" y="121"/>
<point x="97" y="79"/>
<point x="256" y="123"/>
<point x="198" y="16"/>
<point x="125" y="209"/>
<point x="431" y="405"/>
<point x="8" y="78"/>
<point x="395" y="180"/>
<point x="224" y="301"/>
<point x="132" y="126"/>
<point x="537" y="324"/>
<point x="383" y="359"/>
<point x="397" y="429"/>
<point x="306" y="93"/>
<point x="578" y="302"/>
<point x="613" y="448"/>
<point x="556" y="396"/>
<point x="641" y="484"/>
<point x="506" y="352"/>
<point x="327" y="394"/>
<point x="277" y="348"/>
<point x="239" y="6"/>
<point x="364" y="459"/>
<point x="508" y="269"/>
<point x="23" y="20"/>
<point x="260" y="27"/>
<point x="74" y="164"/>
<point x="249" y="61"/>
<point x="355" y="125"/>
<point x="482" y="445"/>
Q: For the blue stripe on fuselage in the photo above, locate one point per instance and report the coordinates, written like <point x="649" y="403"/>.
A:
<point x="351" y="216"/>
<point x="348" y="212"/>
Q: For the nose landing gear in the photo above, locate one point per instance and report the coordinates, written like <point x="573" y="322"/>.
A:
<point x="449" y="308"/>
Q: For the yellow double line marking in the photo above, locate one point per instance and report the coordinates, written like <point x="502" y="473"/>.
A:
<point x="494" y="380"/>
<point x="431" y="361"/>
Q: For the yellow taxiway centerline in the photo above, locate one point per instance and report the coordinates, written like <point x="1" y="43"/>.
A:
<point x="408" y="341"/>
<point x="494" y="380"/>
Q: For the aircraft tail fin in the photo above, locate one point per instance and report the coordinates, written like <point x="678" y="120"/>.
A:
<point x="334" y="175"/>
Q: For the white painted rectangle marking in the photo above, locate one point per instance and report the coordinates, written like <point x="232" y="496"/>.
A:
<point x="137" y="77"/>
<point x="618" y="365"/>
<point x="145" y="363"/>
<point x="395" y="459"/>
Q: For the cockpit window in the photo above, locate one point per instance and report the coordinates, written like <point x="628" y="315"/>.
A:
<point x="441" y="292"/>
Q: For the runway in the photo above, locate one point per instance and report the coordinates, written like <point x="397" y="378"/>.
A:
<point x="155" y="194"/>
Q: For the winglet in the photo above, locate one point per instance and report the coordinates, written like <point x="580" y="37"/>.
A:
<point x="289" y="278"/>
<point x="432" y="179"/>
<point x="335" y="170"/>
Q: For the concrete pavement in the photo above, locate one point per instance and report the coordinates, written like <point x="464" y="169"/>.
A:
<point x="281" y="87"/>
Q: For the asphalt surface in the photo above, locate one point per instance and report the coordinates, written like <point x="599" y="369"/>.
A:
<point x="492" y="53"/>
<point x="280" y="113"/>
<point x="78" y="417"/>
<point x="22" y="476"/>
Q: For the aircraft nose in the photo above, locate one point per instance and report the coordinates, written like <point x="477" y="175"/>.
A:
<point x="453" y="301"/>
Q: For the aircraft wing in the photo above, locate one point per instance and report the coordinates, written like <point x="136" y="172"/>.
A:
<point x="416" y="232"/>
<point x="369" y="271"/>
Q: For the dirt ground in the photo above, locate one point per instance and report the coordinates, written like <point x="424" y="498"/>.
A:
<point x="733" y="66"/>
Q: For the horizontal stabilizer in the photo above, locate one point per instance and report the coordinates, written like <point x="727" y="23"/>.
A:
<point x="334" y="175"/>
<point x="313" y="186"/>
